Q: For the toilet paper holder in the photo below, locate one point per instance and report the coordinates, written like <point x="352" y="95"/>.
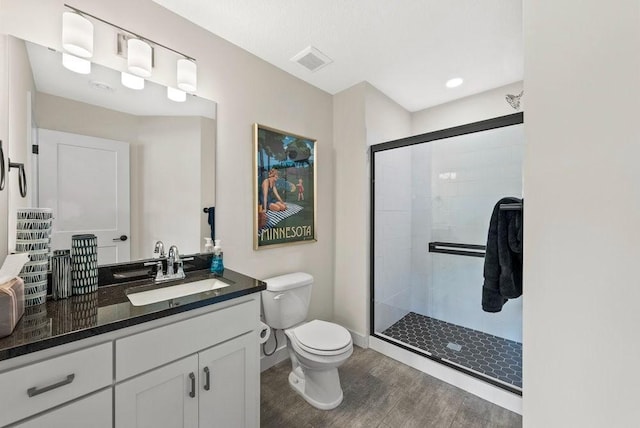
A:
<point x="264" y="333"/>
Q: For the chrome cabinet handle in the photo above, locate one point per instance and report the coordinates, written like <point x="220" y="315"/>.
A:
<point x="207" y="379"/>
<point x="32" y="392"/>
<point x="192" y="393"/>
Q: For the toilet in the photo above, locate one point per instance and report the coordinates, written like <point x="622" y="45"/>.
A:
<point x="316" y="348"/>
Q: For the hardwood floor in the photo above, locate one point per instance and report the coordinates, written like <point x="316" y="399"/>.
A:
<point x="379" y="392"/>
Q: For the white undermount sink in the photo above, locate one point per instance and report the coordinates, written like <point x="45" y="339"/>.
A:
<point x="174" y="291"/>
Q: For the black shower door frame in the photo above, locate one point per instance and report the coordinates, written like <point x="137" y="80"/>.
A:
<point x="484" y="125"/>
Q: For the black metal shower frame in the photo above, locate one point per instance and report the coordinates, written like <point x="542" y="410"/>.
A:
<point x="484" y="125"/>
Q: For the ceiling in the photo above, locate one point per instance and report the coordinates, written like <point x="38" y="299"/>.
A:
<point x="407" y="49"/>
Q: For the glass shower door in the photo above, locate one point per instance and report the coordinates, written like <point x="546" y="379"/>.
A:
<point x="432" y="203"/>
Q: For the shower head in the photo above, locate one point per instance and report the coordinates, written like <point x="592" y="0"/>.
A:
<point x="514" y="100"/>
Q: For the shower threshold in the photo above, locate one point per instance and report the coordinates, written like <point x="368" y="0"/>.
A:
<point x="490" y="356"/>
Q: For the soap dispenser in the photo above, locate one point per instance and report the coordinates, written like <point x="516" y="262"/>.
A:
<point x="208" y="245"/>
<point x="217" y="266"/>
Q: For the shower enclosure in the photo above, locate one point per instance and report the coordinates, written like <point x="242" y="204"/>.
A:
<point x="432" y="199"/>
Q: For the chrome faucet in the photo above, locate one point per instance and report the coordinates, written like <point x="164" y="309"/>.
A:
<point x="173" y="258"/>
<point x="158" y="250"/>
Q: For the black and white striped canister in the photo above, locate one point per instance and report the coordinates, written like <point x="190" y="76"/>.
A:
<point x="84" y="263"/>
<point x="61" y="274"/>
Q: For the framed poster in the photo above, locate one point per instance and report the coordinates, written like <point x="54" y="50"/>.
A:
<point x="284" y="179"/>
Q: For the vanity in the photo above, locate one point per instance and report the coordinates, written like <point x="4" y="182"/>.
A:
<point x="98" y="360"/>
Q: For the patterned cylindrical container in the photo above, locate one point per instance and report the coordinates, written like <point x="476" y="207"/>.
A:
<point x="61" y="274"/>
<point x="84" y="310"/>
<point x="84" y="264"/>
<point x="33" y="236"/>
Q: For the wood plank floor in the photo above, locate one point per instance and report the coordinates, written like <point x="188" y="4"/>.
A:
<point x="379" y="392"/>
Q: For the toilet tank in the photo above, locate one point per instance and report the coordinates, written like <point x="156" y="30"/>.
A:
<point x="286" y="299"/>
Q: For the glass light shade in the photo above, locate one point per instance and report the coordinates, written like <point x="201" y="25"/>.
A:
<point x="131" y="81"/>
<point x="78" y="65"/>
<point x="176" y="95"/>
<point x="77" y="35"/>
<point x="139" y="57"/>
<point x="187" y="75"/>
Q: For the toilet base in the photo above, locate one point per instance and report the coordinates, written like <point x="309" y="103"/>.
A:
<point x="321" y="385"/>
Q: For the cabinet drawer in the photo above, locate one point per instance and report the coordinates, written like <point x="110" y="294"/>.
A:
<point x="94" y="411"/>
<point x="153" y="348"/>
<point x="39" y="386"/>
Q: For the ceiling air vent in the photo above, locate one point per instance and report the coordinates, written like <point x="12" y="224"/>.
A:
<point x="311" y="59"/>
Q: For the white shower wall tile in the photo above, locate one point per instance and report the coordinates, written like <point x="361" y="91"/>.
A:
<point x="485" y="170"/>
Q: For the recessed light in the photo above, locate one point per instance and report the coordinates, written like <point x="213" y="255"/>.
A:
<point x="452" y="83"/>
<point x="103" y="86"/>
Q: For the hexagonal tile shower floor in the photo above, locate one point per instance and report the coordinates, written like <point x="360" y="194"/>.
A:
<point x="490" y="355"/>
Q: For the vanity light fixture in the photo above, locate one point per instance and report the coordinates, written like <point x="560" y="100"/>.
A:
<point x="76" y="64"/>
<point x="131" y="81"/>
<point x="187" y="74"/>
<point x="77" y="34"/>
<point x="176" y="94"/>
<point x="454" y="83"/>
<point x="139" y="57"/>
<point x="138" y="50"/>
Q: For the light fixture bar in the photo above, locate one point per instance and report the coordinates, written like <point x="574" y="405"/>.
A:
<point x="82" y="12"/>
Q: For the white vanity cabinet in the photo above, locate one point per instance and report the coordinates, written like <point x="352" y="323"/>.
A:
<point x="215" y="387"/>
<point x="43" y="385"/>
<point x="198" y="368"/>
<point x="229" y="387"/>
<point x="94" y="411"/>
<point x="205" y="372"/>
<point x="160" y="398"/>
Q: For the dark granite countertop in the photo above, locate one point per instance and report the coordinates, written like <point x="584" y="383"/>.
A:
<point x="63" y="321"/>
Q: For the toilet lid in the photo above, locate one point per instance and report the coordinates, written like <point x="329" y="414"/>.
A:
<point x="322" y="335"/>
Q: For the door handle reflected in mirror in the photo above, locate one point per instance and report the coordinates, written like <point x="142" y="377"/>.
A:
<point x="22" y="177"/>
<point x="121" y="238"/>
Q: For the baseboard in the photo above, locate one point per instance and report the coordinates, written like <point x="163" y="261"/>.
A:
<point x="470" y="384"/>
<point x="268" y="361"/>
<point x="360" y="340"/>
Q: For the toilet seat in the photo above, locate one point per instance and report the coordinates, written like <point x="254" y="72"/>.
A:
<point x="321" y="338"/>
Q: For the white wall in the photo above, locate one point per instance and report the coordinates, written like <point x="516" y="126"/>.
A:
<point x="351" y="236"/>
<point x="247" y="90"/>
<point x="21" y="91"/>
<point x="166" y="163"/>
<point x="362" y="116"/>
<point x="474" y="108"/>
<point x="581" y="316"/>
<point x="4" y="133"/>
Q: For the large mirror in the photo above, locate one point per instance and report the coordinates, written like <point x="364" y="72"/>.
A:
<point x="130" y="166"/>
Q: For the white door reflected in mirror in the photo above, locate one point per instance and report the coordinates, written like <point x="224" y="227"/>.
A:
<point x="86" y="182"/>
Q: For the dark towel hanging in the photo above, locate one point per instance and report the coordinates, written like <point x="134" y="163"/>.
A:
<point x="211" y="211"/>
<point x="503" y="258"/>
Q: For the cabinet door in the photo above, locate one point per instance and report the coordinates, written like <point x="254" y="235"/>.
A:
<point x="93" y="411"/>
<point x="230" y="384"/>
<point x="165" y="397"/>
